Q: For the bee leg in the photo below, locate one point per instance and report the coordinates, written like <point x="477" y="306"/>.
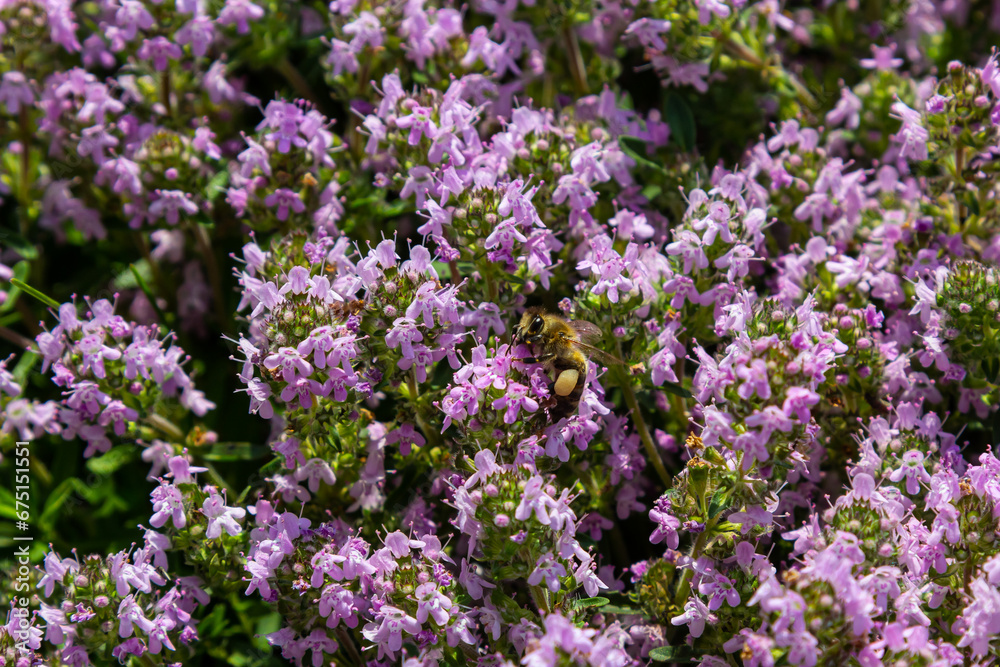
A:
<point x="545" y="358"/>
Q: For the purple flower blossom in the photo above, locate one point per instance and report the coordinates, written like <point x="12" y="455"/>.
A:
<point x="549" y="570"/>
<point x="696" y="615"/>
<point x="168" y="503"/>
<point x="15" y="92"/>
<point x="387" y="630"/>
<point x="240" y="13"/>
<point x="284" y="199"/>
<point x="516" y="399"/>
<point x="912" y="468"/>
<point x="912" y="136"/>
<point x="221" y="517"/>
<point x="170" y="204"/>
<point x="159" y="50"/>
<point x="882" y="59"/>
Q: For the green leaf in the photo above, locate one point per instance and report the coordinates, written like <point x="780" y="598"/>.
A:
<point x="972" y="202"/>
<point x="509" y="608"/>
<point x="31" y="291"/>
<point x="717" y="504"/>
<point x="107" y="464"/>
<point x="125" y="279"/>
<point x="727" y="527"/>
<point x="233" y="451"/>
<point x="677" y="112"/>
<point x="672" y="654"/>
<point x="217" y="185"/>
<point x="394" y="209"/>
<point x="56" y="498"/>
<point x="214" y="624"/>
<point x="584" y="603"/>
<point x="510" y="277"/>
<point x="996" y="428"/>
<point x="8" y="509"/>
<point x="652" y="191"/>
<point x="992" y="369"/>
<point x="24" y="366"/>
<point x="676" y="390"/>
<point x="19" y="244"/>
<point x="623" y="610"/>
<point x="987" y="366"/>
<point x="635" y="148"/>
<point x="361" y="202"/>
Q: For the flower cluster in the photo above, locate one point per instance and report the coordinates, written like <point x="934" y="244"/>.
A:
<point x="599" y="334"/>
<point x="108" y="370"/>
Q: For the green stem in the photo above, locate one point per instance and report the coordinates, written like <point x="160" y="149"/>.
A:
<point x="165" y="91"/>
<point x="618" y="548"/>
<point x="12" y="336"/>
<point x="492" y="291"/>
<point x="154" y="267"/>
<point x="967" y="574"/>
<point x="625" y="384"/>
<point x="164" y="425"/>
<point x="577" y="69"/>
<point x="25" y="126"/>
<point x="684" y="587"/>
<point x="28" y="317"/>
<point x="218" y="481"/>
<point x="355" y="139"/>
<point x="299" y="83"/>
<point x="742" y="52"/>
<point x="347" y="642"/>
<point x="680" y="408"/>
<point x="548" y="91"/>
<point x="959" y="180"/>
<point x="432" y="436"/>
<point x="214" y="277"/>
<point x="538" y="595"/>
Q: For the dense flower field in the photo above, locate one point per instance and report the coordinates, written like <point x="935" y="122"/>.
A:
<point x="777" y="221"/>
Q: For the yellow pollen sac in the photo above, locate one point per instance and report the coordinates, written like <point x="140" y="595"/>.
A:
<point x="566" y="382"/>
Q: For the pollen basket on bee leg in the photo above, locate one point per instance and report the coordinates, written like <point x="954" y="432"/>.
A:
<point x="566" y="382"/>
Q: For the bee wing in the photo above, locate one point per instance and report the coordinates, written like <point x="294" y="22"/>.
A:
<point x="597" y="354"/>
<point x="587" y="331"/>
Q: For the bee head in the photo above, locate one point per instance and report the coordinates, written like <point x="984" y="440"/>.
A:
<point x="530" y="328"/>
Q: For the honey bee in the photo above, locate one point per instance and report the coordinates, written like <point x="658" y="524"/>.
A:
<point x="341" y="310"/>
<point x="562" y="346"/>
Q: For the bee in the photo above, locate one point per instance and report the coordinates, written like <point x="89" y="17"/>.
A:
<point x="341" y="310"/>
<point x="562" y="345"/>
